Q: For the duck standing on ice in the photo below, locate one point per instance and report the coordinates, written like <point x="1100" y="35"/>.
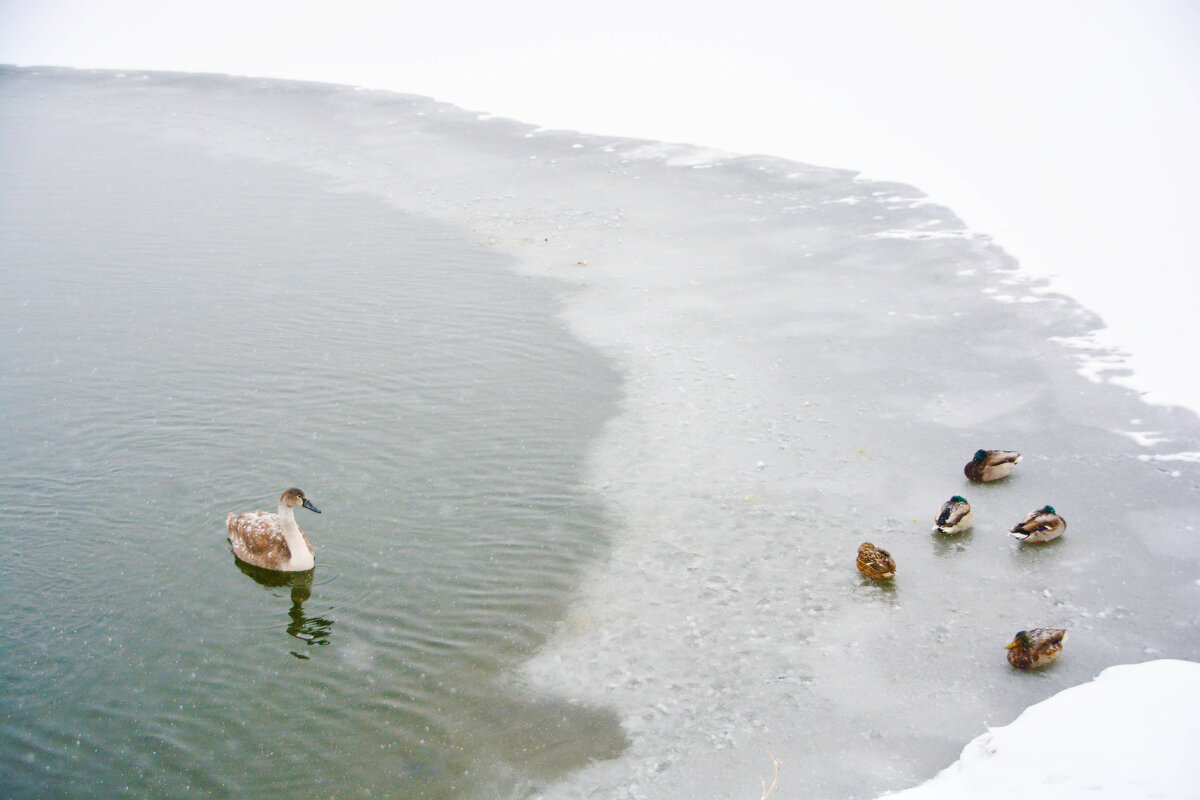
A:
<point x="273" y="541"/>
<point x="991" y="465"/>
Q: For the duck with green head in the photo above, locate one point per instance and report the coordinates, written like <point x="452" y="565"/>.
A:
<point x="1035" y="648"/>
<point x="955" y="516"/>
<point x="1039" y="526"/>
<point x="991" y="465"/>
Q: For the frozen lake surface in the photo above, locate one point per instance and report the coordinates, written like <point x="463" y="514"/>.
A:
<point x="807" y="361"/>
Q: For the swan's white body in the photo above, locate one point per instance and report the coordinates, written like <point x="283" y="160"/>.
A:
<point x="273" y="541"/>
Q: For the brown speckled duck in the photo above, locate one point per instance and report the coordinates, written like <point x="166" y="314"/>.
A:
<point x="875" y="562"/>
<point x="1035" y="648"/>
<point x="991" y="465"/>
<point x="273" y="541"/>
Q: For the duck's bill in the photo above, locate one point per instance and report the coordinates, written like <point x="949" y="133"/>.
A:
<point x="311" y="507"/>
<point x="1010" y="645"/>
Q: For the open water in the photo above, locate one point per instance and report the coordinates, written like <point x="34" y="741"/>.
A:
<point x="183" y="336"/>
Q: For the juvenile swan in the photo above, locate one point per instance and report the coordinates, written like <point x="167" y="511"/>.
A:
<point x="273" y="541"/>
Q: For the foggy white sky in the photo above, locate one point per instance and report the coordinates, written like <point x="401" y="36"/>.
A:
<point x="1067" y="130"/>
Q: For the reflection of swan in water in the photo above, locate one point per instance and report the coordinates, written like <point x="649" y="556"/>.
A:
<point x="309" y="629"/>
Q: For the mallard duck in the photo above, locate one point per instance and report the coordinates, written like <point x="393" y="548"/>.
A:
<point x="1035" y="648"/>
<point x="1039" y="526"/>
<point x="875" y="562"/>
<point x="273" y="541"/>
<point x="991" y="465"/>
<point x="955" y="517"/>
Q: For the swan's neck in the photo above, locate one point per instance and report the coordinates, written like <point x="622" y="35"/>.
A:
<point x="301" y="559"/>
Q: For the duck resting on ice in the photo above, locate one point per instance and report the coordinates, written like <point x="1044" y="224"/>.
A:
<point x="955" y="516"/>
<point x="991" y="465"/>
<point x="875" y="562"/>
<point x="1035" y="648"/>
<point x="1039" y="526"/>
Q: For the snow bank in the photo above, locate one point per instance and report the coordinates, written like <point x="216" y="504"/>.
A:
<point x="1131" y="732"/>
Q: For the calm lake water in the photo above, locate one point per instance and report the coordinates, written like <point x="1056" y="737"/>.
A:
<point x="182" y="336"/>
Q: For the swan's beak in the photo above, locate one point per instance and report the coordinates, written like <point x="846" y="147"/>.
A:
<point x="310" y="506"/>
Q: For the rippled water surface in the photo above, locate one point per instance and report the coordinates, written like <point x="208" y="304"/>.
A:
<point x="182" y="336"/>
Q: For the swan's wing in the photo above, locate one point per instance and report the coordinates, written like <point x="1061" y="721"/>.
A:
<point x="256" y="536"/>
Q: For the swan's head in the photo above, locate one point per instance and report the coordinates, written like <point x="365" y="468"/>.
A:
<point x="295" y="497"/>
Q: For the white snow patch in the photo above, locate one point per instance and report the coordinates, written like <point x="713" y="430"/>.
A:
<point x="1131" y="732"/>
<point x="1097" y="362"/>
<point x="1189" y="457"/>
<point x="918" y="235"/>
<point x="680" y="155"/>
<point x="1145" y="438"/>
